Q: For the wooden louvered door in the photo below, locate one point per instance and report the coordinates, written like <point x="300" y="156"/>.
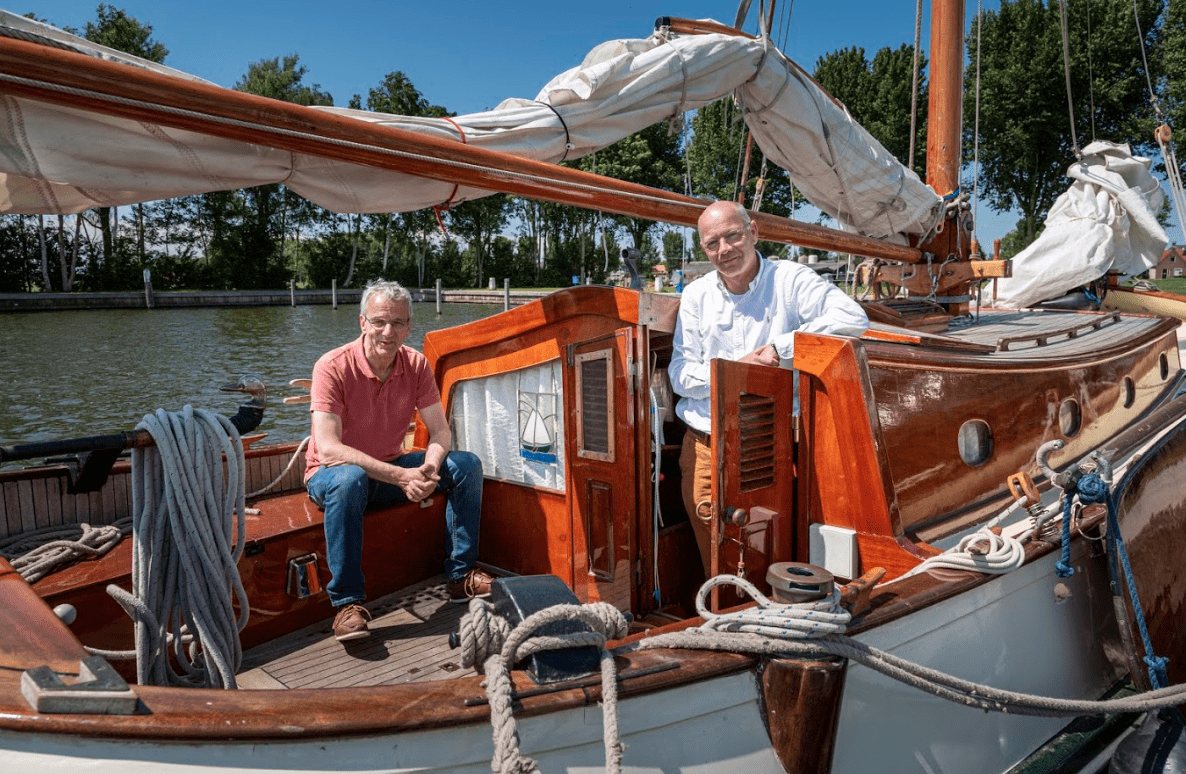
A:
<point x="602" y="466"/>
<point x="753" y="445"/>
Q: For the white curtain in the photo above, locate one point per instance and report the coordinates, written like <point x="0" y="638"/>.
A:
<point x="490" y="414"/>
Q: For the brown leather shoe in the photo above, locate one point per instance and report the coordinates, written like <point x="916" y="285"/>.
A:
<point x="351" y="623"/>
<point x="474" y="583"/>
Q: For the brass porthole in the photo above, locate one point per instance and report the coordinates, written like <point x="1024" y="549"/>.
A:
<point x="1069" y="417"/>
<point x="975" y="442"/>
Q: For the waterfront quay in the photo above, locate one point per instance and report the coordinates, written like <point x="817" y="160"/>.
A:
<point x="57" y="302"/>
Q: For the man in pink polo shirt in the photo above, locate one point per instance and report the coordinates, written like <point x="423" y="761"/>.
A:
<point x="363" y="397"/>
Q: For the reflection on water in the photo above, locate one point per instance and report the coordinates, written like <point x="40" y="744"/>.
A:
<point x="79" y="373"/>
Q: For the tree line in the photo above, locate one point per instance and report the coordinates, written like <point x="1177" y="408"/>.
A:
<point x="263" y="237"/>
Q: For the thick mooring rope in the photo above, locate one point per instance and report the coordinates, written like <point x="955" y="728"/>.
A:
<point x="188" y="535"/>
<point x="488" y="642"/>
<point x="791" y="642"/>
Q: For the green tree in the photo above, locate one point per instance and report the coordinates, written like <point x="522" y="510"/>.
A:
<point x="716" y="157"/>
<point x="480" y="222"/>
<point x="406" y="233"/>
<point x="651" y="157"/>
<point x="878" y="95"/>
<point x="1025" y="142"/>
<point x="246" y="246"/>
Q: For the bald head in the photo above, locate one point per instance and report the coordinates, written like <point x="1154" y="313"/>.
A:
<point x="729" y="238"/>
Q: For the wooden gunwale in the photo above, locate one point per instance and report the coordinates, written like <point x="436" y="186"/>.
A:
<point x="157" y="95"/>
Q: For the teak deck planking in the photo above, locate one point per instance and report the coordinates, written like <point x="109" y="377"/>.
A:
<point x="409" y="642"/>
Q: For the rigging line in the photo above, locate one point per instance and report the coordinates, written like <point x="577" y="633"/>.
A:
<point x="976" y="127"/>
<point x="527" y="177"/>
<point x="914" y="88"/>
<point x="1090" y="73"/>
<point x="1136" y="18"/>
<point x="1066" y="61"/>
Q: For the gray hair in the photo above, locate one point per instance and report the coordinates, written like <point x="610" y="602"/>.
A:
<point x="389" y="289"/>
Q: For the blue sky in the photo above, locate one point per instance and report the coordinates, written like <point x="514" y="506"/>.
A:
<point x="469" y="55"/>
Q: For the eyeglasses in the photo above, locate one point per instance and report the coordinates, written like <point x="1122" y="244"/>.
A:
<point x="398" y="323"/>
<point x="734" y="237"/>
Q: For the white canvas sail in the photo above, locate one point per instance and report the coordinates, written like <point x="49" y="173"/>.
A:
<point x="1105" y="221"/>
<point x="61" y="159"/>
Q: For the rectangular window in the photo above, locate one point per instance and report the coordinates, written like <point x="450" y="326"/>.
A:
<point x="595" y="405"/>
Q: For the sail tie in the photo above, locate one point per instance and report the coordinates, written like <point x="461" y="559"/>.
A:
<point x="567" y="138"/>
<point x="437" y="209"/>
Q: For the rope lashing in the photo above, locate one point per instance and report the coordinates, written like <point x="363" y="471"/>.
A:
<point x="982" y="551"/>
<point x="802" y="620"/>
<point x="567" y="138"/>
<point x="188" y="534"/>
<point x="1090" y="489"/>
<point x="437" y="209"/>
<point x="489" y="644"/>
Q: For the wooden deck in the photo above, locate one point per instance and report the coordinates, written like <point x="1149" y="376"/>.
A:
<point x="409" y="642"/>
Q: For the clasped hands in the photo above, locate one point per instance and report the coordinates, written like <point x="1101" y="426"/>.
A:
<point x="767" y="356"/>
<point x="417" y="483"/>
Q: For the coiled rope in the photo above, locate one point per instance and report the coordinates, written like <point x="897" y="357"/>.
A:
<point x="38" y="553"/>
<point x="489" y="643"/>
<point x="188" y="528"/>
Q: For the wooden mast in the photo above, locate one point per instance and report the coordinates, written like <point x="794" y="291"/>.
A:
<point x="945" y="106"/>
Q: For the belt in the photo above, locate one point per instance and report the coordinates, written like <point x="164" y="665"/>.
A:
<point x="699" y="435"/>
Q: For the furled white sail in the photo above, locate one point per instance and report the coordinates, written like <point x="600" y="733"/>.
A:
<point x="59" y="159"/>
<point x="1105" y="221"/>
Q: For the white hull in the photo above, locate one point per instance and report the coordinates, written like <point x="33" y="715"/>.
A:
<point x="716" y="726"/>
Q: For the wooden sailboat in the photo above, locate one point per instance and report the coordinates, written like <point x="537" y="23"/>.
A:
<point x="909" y="440"/>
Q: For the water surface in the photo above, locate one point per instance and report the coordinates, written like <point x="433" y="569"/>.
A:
<point x="78" y="373"/>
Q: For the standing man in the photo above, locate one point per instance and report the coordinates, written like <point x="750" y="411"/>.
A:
<point x="747" y="310"/>
<point x="363" y="397"/>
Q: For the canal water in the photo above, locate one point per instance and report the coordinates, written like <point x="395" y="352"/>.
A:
<point x="79" y="373"/>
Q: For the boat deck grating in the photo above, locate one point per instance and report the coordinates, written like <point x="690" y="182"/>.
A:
<point x="409" y="642"/>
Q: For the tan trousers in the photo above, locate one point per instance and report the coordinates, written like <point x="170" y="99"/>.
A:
<point x="695" y="465"/>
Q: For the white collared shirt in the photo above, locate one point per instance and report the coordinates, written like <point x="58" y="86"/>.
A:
<point x="784" y="297"/>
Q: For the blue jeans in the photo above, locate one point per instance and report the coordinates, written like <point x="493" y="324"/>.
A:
<point x="344" y="491"/>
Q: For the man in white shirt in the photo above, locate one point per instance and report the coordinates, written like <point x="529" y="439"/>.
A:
<point x="747" y="310"/>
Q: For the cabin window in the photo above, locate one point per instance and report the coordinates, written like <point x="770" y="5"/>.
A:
<point x="1069" y="417"/>
<point x="595" y="405"/>
<point x="484" y="411"/>
<point x="1130" y="392"/>
<point x="1165" y="366"/>
<point x="975" y="442"/>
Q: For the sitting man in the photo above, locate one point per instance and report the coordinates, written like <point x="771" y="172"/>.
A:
<point x="362" y="400"/>
<point x="747" y="310"/>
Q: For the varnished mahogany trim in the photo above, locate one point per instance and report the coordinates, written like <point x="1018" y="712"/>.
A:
<point x="845" y="452"/>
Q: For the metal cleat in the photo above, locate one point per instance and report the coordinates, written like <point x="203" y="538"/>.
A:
<point x="99" y="690"/>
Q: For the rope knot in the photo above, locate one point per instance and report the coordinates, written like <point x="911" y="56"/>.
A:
<point x="1091" y="488"/>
